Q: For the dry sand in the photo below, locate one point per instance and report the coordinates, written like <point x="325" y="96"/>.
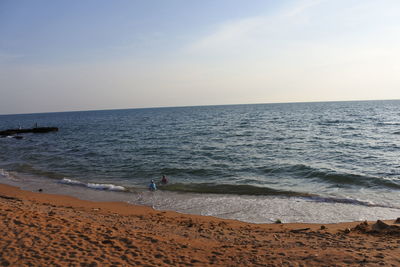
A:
<point x="39" y="229"/>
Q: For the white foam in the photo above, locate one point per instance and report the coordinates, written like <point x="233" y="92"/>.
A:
<point x="8" y="175"/>
<point x="109" y="187"/>
<point x="71" y="182"/>
<point x="4" y="174"/>
<point x="391" y="178"/>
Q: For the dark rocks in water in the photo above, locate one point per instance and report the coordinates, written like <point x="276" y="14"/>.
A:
<point x="30" y="130"/>
<point x="397" y="220"/>
<point x="40" y="190"/>
<point x="18" y="137"/>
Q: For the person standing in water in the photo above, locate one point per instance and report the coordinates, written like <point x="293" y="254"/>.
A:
<point x="164" y="180"/>
<point x="152" y="186"/>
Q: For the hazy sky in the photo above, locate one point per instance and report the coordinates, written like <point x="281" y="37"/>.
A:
<point x="93" y="54"/>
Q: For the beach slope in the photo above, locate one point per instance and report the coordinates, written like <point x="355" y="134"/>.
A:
<point x="39" y="229"/>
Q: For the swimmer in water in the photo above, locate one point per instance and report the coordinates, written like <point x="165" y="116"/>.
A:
<point x="164" y="180"/>
<point x="152" y="186"/>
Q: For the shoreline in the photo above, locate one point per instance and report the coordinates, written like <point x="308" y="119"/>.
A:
<point x="246" y="208"/>
<point x="40" y="229"/>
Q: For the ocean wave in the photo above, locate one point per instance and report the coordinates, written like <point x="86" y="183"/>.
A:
<point x="348" y="201"/>
<point x="297" y="171"/>
<point x="212" y="188"/>
<point x="388" y="123"/>
<point x="209" y="188"/>
<point x="108" y="187"/>
<point x="331" y="176"/>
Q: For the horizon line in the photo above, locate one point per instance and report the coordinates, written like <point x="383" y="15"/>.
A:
<point x="205" y="105"/>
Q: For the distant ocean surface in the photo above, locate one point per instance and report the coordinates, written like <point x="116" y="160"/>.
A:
<point x="297" y="162"/>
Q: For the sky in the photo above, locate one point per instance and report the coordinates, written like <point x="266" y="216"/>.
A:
<point x="70" y="55"/>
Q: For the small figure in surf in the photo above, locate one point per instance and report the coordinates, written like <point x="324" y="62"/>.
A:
<point x="164" y="180"/>
<point x="152" y="186"/>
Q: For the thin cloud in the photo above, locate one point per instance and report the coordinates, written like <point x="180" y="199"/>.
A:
<point x="230" y="32"/>
<point x="252" y="29"/>
<point x="300" y="8"/>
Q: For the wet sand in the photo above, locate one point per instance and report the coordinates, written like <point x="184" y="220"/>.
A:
<point x="39" y="229"/>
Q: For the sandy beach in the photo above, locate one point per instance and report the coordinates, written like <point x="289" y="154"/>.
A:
<point x="39" y="229"/>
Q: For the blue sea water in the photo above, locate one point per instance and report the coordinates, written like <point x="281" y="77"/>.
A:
<point x="298" y="162"/>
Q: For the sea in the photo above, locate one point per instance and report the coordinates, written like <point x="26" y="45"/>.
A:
<point x="322" y="162"/>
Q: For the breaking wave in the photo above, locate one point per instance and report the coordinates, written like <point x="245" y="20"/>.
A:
<point x="108" y="187"/>
<point x="211" y="188"/>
